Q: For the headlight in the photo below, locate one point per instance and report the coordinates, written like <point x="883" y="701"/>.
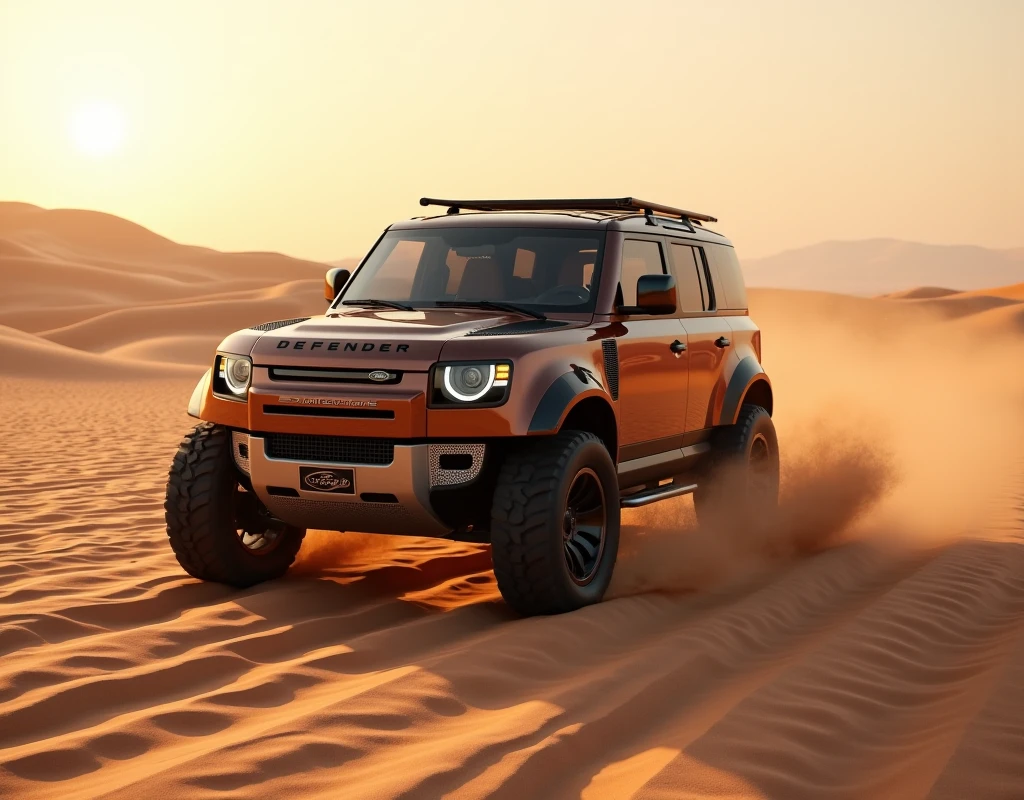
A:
<point x="233" y="376"/>
<point x="471" y="384"/>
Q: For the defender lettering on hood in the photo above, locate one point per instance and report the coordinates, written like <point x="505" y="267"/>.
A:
<point x="344" y="347"/>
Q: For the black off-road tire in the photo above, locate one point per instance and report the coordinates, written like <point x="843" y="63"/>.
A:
<point x="200" y="515"/>
<point x="527" y="517"/>
<point x="740" y="485"/>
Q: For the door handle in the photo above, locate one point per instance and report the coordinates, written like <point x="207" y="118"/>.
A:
<point x="677" y="346"/>
<point x="721" y="341"/>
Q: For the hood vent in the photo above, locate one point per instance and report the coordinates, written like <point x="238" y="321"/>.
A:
<point x="512" y="328"/>
<point x="273" y="326"/>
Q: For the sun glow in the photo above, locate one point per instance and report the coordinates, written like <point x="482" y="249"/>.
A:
<point x="97" y="129"/>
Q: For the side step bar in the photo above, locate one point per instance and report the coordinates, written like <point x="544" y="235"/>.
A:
<point x="648" y="496"/>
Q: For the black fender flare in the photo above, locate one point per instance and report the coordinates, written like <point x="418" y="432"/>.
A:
<point x="562" y="394"/>
<point x="747" y="372"/>
<point x="196" y="402"/>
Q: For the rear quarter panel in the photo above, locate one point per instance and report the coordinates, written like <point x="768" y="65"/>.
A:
<point x="742" y="367"/>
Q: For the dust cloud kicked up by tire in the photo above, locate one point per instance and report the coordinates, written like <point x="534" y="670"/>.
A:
<point x="896" y="427"/>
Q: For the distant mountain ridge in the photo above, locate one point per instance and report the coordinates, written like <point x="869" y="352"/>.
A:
<point x="883" y="266"/>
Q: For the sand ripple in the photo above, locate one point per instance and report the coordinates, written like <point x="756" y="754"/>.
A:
<point x="389" y="667"/>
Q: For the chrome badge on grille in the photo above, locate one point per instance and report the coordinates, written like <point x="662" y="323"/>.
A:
<point x="379" y="375"/>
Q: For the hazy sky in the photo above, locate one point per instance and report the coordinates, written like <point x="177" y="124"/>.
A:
<point x="306" y="126"/>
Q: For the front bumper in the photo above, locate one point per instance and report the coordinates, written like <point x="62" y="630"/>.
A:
<point x="391" y="498"/>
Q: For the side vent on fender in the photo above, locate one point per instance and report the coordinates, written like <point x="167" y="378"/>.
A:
<point x="611" y="365"/>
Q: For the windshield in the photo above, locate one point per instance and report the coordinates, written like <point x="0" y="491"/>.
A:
<point x="544" y="270"/>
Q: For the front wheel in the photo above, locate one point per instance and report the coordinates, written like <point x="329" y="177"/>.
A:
<point x="741" y="485"/>
<point x="555" y="524"/>
<point x="218" y="529"/>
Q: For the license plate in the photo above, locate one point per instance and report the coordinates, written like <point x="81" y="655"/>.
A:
<point x="334" y="481"/>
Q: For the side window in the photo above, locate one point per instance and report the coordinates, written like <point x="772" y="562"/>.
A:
<point x="725" y="270"/>
<point x="691" y="295"/>
<point x="638" y="258"/>
<point x="710" y="301"/>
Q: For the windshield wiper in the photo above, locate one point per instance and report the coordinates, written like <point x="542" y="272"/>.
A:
<point x="380" y="303"/>
<point x="494" y="305"/>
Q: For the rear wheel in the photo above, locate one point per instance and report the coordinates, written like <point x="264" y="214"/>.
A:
<point x="218" y="529"/>
<point x="741" y="485"/>
<point x="555" y="524"/>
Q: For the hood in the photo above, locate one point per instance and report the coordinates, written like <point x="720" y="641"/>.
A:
<point x="403" y="340"/>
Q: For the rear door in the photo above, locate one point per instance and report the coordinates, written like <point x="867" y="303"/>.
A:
<point x="653" y="363"/>
<point x="709" y="336"/>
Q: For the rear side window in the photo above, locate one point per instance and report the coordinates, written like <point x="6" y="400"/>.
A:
<point x="638" y="258"/>
<point x="727" y="277"/>
<point x="688" y="277"/>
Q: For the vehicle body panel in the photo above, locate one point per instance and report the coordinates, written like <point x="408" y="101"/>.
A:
<point x="653" y="380"/>
<point x="707" y="369"/>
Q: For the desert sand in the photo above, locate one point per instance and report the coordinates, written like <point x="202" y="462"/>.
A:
<point x="868" y="643"/>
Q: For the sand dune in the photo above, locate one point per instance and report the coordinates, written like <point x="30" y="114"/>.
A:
<point x="100" y="285"/>
<point x="91" y="237"/>
<point x="25" y="355"/>
<point x="60" y="267"/>
<point x="126" y="331"/>
<point x="866" y="643"/>
<point x="921" y="293"/>
<point x="879" y="266"/>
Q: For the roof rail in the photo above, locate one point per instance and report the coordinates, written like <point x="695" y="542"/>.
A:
<point x="624" y="204"/>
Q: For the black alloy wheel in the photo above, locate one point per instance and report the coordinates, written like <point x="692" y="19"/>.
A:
<point x="583" y="526"/>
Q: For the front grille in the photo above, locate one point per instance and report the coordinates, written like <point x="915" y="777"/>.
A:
<point x="320" y="411"/>
<point x="331" y="375"/>
<point x="330" y="449"/>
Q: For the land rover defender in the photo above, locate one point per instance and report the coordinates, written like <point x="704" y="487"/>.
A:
<point x="512" y="372"/>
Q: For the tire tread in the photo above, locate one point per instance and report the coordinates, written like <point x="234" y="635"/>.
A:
<point x="528" y="577"/>
<point x="193" y="527"/>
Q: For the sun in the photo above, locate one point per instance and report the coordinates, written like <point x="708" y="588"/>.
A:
<point x="97" y="128"/>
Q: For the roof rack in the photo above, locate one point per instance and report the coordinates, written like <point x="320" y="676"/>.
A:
<point x="620" y="204"/>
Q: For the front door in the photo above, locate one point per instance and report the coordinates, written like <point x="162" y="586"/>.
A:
<point x="653" y="361"/>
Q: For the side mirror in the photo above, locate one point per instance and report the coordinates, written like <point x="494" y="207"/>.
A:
<point x="655" y="294"/>
<point x="334" y="282"/>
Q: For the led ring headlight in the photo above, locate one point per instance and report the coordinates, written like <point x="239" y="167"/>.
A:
<point x="468" y="383"/>
<point x="235" y="373"/>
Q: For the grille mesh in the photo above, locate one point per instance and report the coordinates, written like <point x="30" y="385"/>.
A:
<point x="273" y="326"/>
<point x="453" y="477"/>
<point x="240" y="447"/>
<point x="330" y="449"/>
<point x="611" y="366"/>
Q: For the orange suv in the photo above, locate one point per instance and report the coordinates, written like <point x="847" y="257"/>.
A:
<point x="508" y="371"/>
